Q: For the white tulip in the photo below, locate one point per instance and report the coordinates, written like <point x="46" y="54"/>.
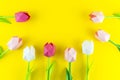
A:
<point x="87" y="47"/>
<point x="29" y="53"/>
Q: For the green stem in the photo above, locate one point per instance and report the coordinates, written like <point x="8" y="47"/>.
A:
<point x="7" y="16"/>
<point x="3" y="53"/>
<point x="48" y="74"/>
<point x="70" y="70"/>
<point x="87" y="67"/>
<point x="28" y="71"/>
<point x="117" y="45"/>
<point x="112" y="42"/>
<point x="112" y="17"/>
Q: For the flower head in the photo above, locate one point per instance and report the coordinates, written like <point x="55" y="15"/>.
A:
<point x="49" y="49"/>
<point x="102" y="36"/>
<point x="14" y="43"/>
<point x="97" y="17"/>
<point x="22" y="16"/>
<point x="70" y="54"/>
<point x="29" y="53"/>
<point x="87" y="47"/>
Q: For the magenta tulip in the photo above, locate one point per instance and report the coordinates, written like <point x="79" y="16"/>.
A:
<point x="22" y="16"/>
<point x="49" y="49"/>
<point x="19" y="17"/>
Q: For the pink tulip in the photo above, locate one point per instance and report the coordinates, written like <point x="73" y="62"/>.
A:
<point x="97" y="17"/>
<point x="22" y="16"/>
<point x="70" y="54"/>
<point x="49" y="49"/>
<point x="102" y="36"/>
<point x="105" y="37"/>
<point x="19" y="17"/>
<point x="14" y="43"/>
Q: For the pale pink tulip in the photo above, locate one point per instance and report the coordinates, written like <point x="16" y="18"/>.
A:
<point x="70" y="54"/>
<point x="97" y="17"/>
<point x="102" y="36"/>
<point x="14" y="43"/>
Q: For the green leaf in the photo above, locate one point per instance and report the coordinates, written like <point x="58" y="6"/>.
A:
<point x="5" y="20"/>
<point x="1" y="50"/>
<point x="67" y="74"/>
<point x="50" y="68"/>
<point x="118" y="46"/>
<point x="116" y="14"/>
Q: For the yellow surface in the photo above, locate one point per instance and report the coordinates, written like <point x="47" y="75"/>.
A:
<point x="65" y="23"/>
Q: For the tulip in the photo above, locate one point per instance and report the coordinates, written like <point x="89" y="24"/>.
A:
<point x="49" y="51"/>
<point x="103" y="36"/>
<point x="70" y="56"/>
<point x="22" y="16"/>
<point x="13" y="44"/>
<point x="98" y="17"/>
<point x="87" y="48"/>
<point x="28" y="55"/>
<point x="19" y="17"/>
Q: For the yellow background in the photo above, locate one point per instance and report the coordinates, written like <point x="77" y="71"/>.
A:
<point x="65" y="23"/>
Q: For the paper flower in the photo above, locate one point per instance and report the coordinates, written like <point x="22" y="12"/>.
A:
<point x="87" y="49"/>
<point x="103" y="36"/>
<point x="13" y="44"/>
<point x="49" y="51"/>
<point x="70" y="56"/>
<point x="19" y="17"/>
<point x="28" y="55"/>
<point x="98" y="17"/>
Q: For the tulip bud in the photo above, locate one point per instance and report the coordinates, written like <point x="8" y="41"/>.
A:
<point x="49" y="49"/>
<point x="102" y="36"/>
<point x="87" y="47"/>
<point x="97" y="17"/>
<point x="22" y="16"/>
<point x="29" y="53"/>
<point x="14" y="43"/>
<point x="70" y="54"/>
